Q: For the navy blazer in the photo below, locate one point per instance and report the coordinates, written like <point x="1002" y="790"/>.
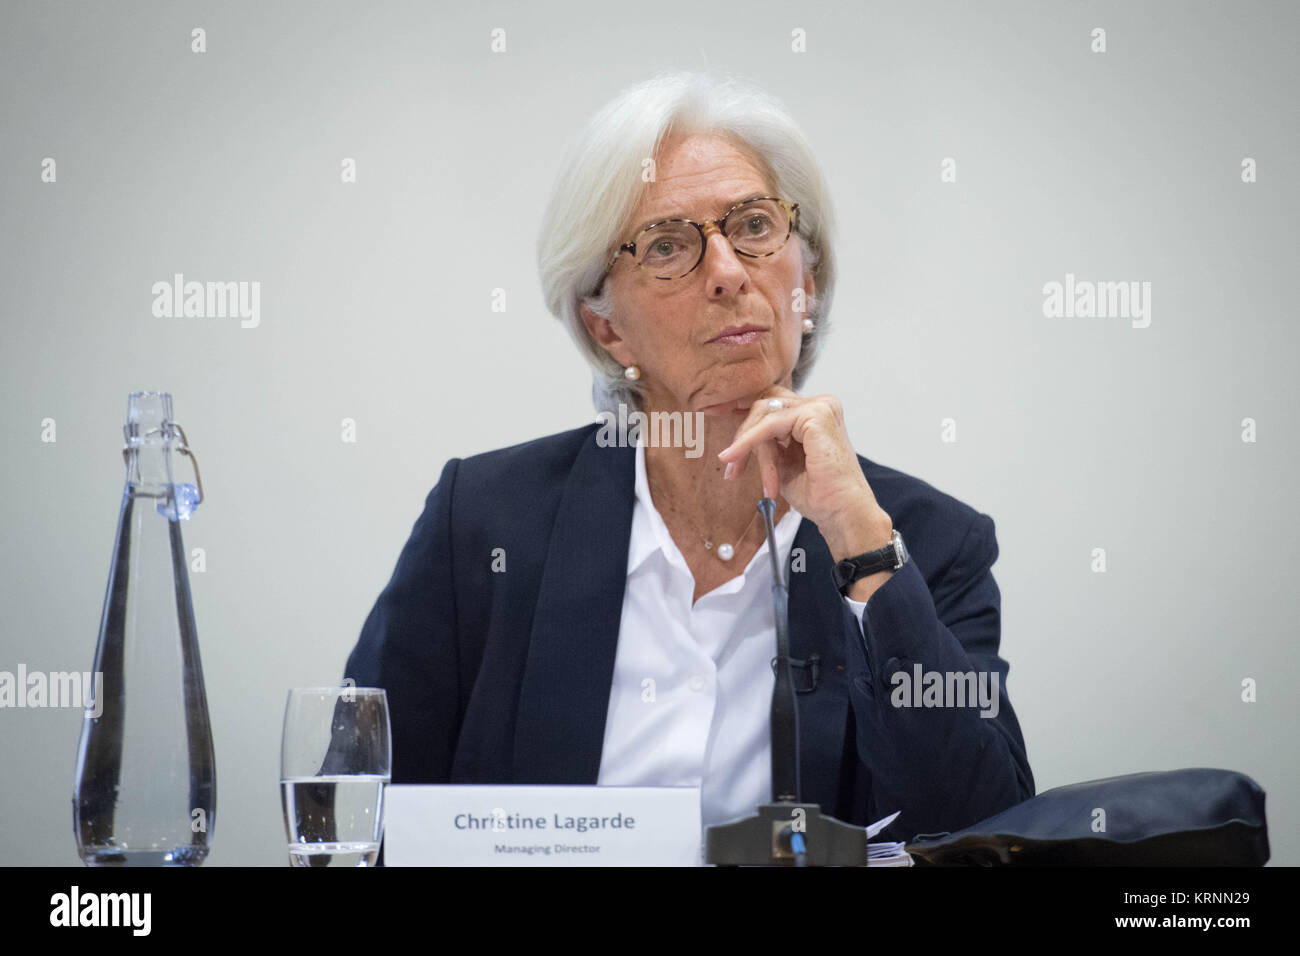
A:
<point x="504" y="676"/>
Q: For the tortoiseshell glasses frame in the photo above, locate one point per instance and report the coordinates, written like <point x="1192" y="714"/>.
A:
<point x="706" y="229"/>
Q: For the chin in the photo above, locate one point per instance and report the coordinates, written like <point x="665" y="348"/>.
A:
<point x="725" y="402"/>
<point x="730" y="389"/>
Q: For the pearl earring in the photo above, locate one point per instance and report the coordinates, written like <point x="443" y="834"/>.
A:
<point x="808" y="326"/>
<point x="631" y="373"/>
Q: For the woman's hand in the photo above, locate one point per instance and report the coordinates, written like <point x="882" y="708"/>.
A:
<point x="804" y="454"/>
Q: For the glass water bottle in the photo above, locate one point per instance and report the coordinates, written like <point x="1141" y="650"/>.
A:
<point x="145" y="791"/>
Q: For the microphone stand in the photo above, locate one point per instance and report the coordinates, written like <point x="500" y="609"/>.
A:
<point x="787" y="831"/>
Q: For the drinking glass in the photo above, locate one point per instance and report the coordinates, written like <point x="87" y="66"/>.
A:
<point x="334" y="765"/>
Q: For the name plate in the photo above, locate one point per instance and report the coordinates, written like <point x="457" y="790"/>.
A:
<point x="481" y="825"/>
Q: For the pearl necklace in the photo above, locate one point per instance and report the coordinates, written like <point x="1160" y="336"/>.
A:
<point x="725" y="551"/>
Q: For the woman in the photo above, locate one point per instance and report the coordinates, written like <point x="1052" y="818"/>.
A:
<point x="585" y="611"/>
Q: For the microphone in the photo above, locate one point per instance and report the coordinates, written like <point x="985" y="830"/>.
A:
<point x="785" y="715"/>
<point x="787" y="831"/>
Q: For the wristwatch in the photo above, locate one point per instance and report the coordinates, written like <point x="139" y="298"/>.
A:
<point x="889" y="558"/>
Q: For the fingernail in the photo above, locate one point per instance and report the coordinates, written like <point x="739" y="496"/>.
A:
<point x="723" y="453"/>
<point x="728" y="471"/>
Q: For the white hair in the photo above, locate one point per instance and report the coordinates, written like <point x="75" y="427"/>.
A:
<point x="600" y="184"/>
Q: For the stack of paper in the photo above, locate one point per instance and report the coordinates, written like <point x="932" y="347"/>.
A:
<point x="885" y="854"/>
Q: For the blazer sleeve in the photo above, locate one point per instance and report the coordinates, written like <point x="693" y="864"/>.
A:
<point x="408" y="646"/>
<point x="944" y="767"/>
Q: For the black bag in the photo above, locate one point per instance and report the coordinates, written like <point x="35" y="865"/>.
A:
<point x="1193" y="817"/>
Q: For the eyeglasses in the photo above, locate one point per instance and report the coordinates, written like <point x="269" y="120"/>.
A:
<point x="672" y="248"/>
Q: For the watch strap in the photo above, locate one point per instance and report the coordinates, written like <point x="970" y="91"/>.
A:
<point x="889" y="558"/>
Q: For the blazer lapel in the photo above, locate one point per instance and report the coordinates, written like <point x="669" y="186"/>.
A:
<point x="817" y="626"/>
<point x="560" y="727"/>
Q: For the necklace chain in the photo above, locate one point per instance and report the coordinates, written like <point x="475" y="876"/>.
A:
<point x="725" y="550"/>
